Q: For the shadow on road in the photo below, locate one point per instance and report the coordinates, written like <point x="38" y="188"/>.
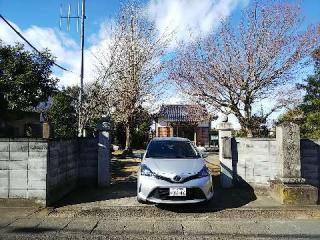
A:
<point x="114" y="191"/>
<point x="123" y="185"/>
<point x="223" y="199"/>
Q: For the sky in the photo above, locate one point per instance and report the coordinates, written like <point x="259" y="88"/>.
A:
<point x="38" y="21"/>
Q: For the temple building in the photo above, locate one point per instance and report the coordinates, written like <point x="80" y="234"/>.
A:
<point x="187" y="121"/>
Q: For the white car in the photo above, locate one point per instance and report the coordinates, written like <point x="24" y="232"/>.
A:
<point x="173" y="171"/>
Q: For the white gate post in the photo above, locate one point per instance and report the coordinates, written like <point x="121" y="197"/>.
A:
<point x="104" y="158"/>
<point x="225" y="153"/>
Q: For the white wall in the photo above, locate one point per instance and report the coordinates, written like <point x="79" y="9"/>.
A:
<point x="257" y="160"/>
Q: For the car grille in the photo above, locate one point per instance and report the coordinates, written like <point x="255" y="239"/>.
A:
<point x="163" y="194"/>
<point x="171" y="181"/>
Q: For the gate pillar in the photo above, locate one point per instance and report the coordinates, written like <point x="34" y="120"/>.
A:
<point x="104" y="155"/>
<point x="290" y="188"/>
<point x="225" y="153"/>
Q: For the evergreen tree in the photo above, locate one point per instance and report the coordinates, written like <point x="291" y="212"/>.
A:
<point x="311" y="101"/>
<point x="62" y="113"/>
<point x="25" y="77"/>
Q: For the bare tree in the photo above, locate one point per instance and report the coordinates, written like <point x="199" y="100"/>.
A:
<point x="131" y="64"/>
<point x="96" y="103"/>
<point x="237" y="66"/>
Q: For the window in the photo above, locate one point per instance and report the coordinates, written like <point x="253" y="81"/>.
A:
<point x="171" y="149"/>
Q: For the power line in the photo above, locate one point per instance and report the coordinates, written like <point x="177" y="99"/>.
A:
<point x="33" y="47"/>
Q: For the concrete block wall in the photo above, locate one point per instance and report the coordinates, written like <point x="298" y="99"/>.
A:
<point x="23" y="168"/>
<point x="256" y="159"/>
<point x="310" y="161"/>
<point x="71" y="163"/>
<point x="88" y="162"/>
<point x="46" y="170"/>
<point x="62" y="168"/>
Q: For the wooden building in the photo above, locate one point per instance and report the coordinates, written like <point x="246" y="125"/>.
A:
<point x="188" y="121"/>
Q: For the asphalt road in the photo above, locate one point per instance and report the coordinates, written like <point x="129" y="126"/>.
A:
<point x="155" y="222"/>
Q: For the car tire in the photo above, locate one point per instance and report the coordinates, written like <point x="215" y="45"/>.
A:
<point x="141" y="201"/>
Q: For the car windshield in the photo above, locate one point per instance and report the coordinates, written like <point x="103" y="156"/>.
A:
<point x="171" y="149"/>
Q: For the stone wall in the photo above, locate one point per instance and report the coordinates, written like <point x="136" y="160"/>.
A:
<point x="310" y="161"/>
<point x="46" y="170"/>
<point x="23" y="166"/>
<point x="255" y="159"/>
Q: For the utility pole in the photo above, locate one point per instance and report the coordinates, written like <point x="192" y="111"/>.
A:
<point x="81" y="18"/>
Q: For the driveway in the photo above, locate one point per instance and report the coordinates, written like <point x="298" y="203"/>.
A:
<point x="122" y="191"/>
<point x="114" y="213"/>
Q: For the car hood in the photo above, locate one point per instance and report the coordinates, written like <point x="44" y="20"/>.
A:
<point x="172" y="167"/>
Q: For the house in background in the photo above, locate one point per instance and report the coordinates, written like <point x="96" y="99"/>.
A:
<point x="17" y="123"/>
<point x="187" y="121"/>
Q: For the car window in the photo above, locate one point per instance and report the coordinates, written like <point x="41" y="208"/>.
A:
<point x="171" y="149"/>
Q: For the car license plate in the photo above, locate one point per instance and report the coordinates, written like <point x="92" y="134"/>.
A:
<point x="178" y="192"/>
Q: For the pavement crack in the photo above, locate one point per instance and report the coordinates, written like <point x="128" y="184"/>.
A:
<point x="62" y="229"/>
<point x="95" y="226"/>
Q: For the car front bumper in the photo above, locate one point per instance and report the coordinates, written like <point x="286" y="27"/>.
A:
<point x="157" y="190"/>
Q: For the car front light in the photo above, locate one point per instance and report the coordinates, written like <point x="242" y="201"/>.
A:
<point x="145" y="171"/>
<point x="204" y="172"/>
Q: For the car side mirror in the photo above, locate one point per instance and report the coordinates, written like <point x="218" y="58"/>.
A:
<point x="202" y="151"/>
<point x="204" y="154"/>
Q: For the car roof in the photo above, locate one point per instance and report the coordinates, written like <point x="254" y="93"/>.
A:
<point x="170" y="139"/>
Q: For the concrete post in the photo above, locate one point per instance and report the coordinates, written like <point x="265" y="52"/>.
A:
<point x="288" y="152"/>
<point x="290" y="188"/>
<point x="225" y="133"/>
<point x="104" y="158"/>
<point x="46" y="130"/>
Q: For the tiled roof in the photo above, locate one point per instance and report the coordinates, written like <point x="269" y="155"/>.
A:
<point x="183" y="113"/>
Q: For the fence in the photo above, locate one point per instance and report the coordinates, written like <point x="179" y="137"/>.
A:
<point x="259" y="160"/>
<point x="46" y="170"/>
<point x="310" y="161"/>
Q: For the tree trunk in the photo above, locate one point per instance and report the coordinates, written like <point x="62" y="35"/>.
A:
<point x="128" y="148"/>
<point x="249" y="132"/>
<point x="246" y="126"/>
<point x="248" y="115"/>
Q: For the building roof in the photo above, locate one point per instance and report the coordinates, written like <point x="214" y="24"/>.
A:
<point x="183" y="113"/>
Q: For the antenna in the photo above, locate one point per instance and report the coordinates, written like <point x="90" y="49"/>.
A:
<point x="60" y="18"/>
<point x="79" y="18"/>
<point x="78" y="14"/>
<point x="68" y="17"/>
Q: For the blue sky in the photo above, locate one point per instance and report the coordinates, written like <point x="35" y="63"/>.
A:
<point x="45" y="15"/>
<point x="38" y="20"/>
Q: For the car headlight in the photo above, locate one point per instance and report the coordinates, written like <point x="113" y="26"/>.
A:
<point x="145" y="171"/>
<point x="204" y="172"/>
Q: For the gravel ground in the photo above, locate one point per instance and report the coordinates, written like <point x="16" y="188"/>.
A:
<point x="114" y="213"/>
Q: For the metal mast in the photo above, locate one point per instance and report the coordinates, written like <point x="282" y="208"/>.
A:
<point x="81" y="18"/>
